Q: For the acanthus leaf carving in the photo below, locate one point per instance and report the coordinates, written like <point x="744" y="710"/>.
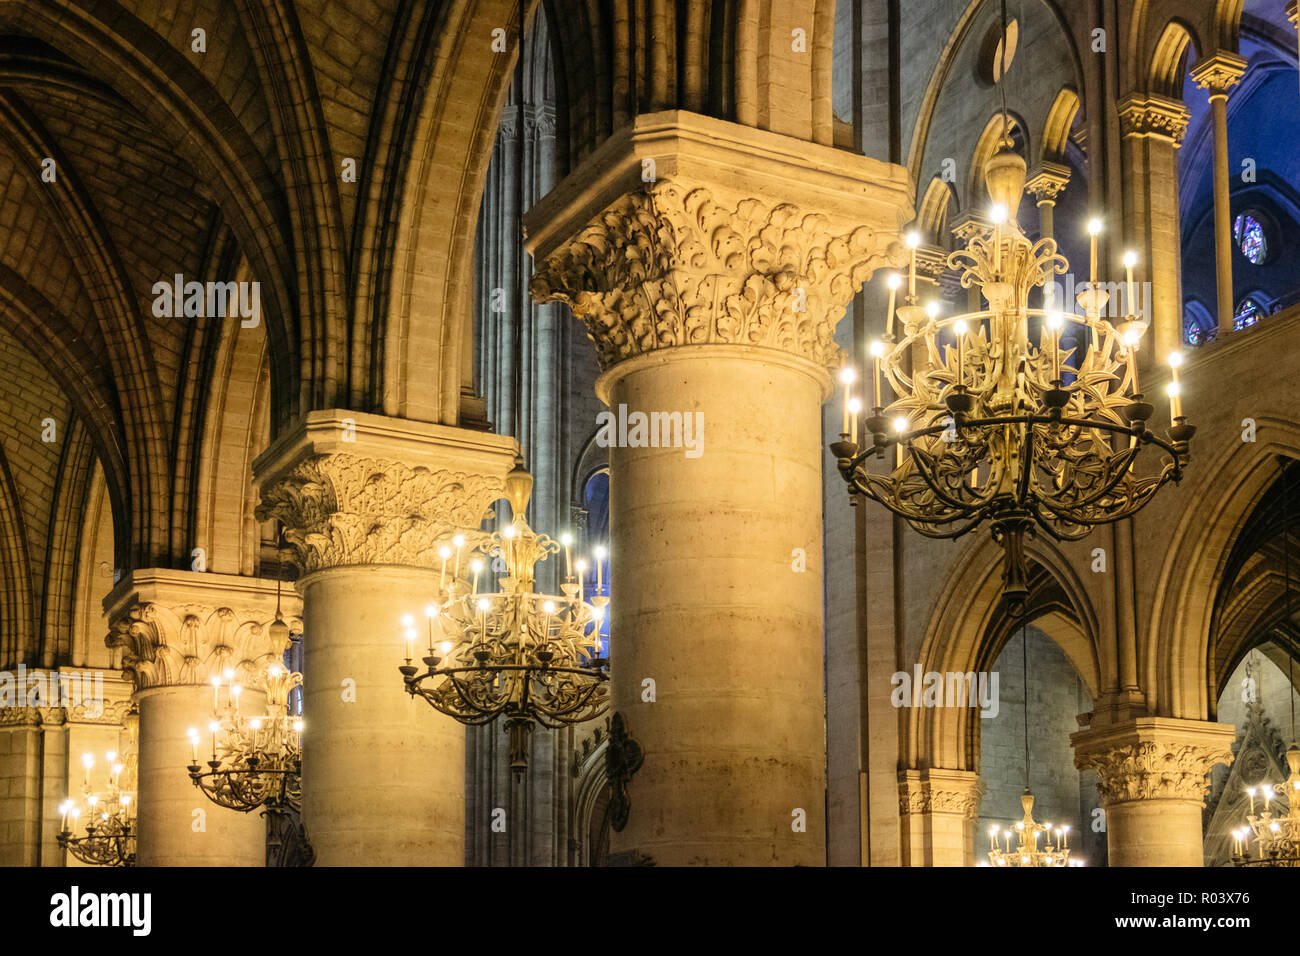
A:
<point x="1153" y="770"/>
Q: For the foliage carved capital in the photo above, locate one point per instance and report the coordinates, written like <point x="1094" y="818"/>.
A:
<point x="1153" y="759"/>
<point x="672" y="265"/>
<point x="344" y="509"/>
<point x="956" y="792"/>
<point x="1142" y="115"/>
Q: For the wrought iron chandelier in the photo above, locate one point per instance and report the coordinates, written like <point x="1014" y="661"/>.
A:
<point x="256" y="760"/>
<point x="987" y="425"/>
<point x="1276" y="835"/>
<point x="108" y="837"/>
<point x="532" y="658"/>
<point x="1028" y="851"/>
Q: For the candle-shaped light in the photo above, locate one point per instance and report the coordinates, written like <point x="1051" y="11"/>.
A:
<point x="459" y="543"/>
<point x="1251" y="793"/>
<point x="1131" y="339"/>
<point x="87" y="761"/>
<point x="566" y="539"/>
<point x="600" y="569"/>
<point x="213" y="728"/>
<point x="444" y="553"/>
<point x="581" y="565"/>
<point x="1130" y="260"/>
<point x="913" y="240"/>
<point x="430" y="612"/>
<point x="1055" y="321"/>
<point x="855" y="409"/>
<point x="900" y="429"/>
<point x="235" y="691"/>
<point x="877" y="352"/>
<point x="893" y="281"/>
<point x="194" y="745"/>
<point x="999" y="216"/>
<point x="548" y="609"/>
<point x="483" y="605"/>
<point x="959" y="329"/>
<point x="1094" y="230"/>
<point x="847" y="376"/>
<point x="216" y="694"/>
<point x="1175" y="396"/>
<point x="476" y="567"/>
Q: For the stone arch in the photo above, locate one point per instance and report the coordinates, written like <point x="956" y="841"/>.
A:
<point x="76" y="466"/>
<point x="967" y="628"/>
<point x="935" y="211"/>
<point x="17" y="616"/>
<point x="591" y="798"/>
<point x="1178" y="669"/>
<point x="173" y="97"/>
<point x="948" y="57"/>
<point x="1167" y="68"/>
<point x="1227" y="23"/>
<point x="1056" y="131"/>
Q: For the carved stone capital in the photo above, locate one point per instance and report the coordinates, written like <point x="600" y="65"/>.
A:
<point x="1047" y="181"/>
<point x="1153" y="758"/>
<point x="684" y="230"/>
<point x="940" y="791"/>
<point x="1219" y="73"/>
<point x="1142" y="114"/>
<point x="1293" y="12"/>
<point x="185" y="627"/>
<point x="353" y="489"/>
<point x="968" y="226"/>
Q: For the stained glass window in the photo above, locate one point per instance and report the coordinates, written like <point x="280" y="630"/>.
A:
<point x="1198" y="327"/>
<point x="1248" y="314"/>
<point x="1250" y="238"/>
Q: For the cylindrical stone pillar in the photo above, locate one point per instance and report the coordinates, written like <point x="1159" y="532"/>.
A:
<point x="1222" y="213"/>
<point x="1152" y="783"/>
<point x="178" y="825"/>
<point x="717" y="558"/>
<point x="383" y="773"/>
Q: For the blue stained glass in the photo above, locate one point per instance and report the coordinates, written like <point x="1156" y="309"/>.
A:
<point x="1250" y="238"/>
<point x="1248" y="314"/>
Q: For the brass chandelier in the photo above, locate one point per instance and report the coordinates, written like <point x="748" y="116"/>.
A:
<point x="107" y="837"/>
<point x="987" y="425"/>
<point x="1029" y="850"/>
<point x="532" y="658"/>
<point x="1276" y="834"/>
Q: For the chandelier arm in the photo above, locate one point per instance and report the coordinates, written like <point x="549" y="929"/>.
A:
<point x="1136" y="502"/>
<point x="928" y="477"/>
<point x="889" y="500"/>
<point x="1129" y="455"/>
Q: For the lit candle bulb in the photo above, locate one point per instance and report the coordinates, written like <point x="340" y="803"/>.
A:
<point x="1174" y="391"/>
<point x="1175" y="396"/>
<point x="476" y="566"/>
<point x="213" y="728"/>
<point x="913" y="240"/>
<point x="1094" y="230"/>
<point x="410" y="643"/>
<point x="1065" y="836"/>
<point x="582" y="576"/>
<point x="1130" y="260"/>
<point x="855" y="409"/>
<point x="216" y="692"/>
<point x="566" y="539"/>
<point x="87" y="761"/>
<point x="877" y="351"/>
<point x="1251" y="792"/>
<point x="483" y="605"/>
<point x="600" y="569"/>
<point x="444" y="553"/>
<point x="847" y="376"/>
<point x="459" y="542"/>
<point x="1055" y="321"/>
<point x="194" y="745"/>
<point x="548" y="608"/>
<point x="959" y="329"/>
<point x="235" y="691"/>
<point x="893" y="282"/>
<point x="900" y="428"/>
<point x="999" y="216"/>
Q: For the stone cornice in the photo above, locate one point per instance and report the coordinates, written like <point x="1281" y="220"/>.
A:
<point x="969" y="225"/>
<point x="940" y="791"/>
<point x="1219" y="73"/>
<point x="1152" y="115"/>
<point x="1153" y="758"/>
<point x="354" y="489"/>
<point x="184" y="627"/>
<point x="686" y="230"/>
<point x="1047" y="181"/>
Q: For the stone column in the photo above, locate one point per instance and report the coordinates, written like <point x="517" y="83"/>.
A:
<point x="1152" y="784"/>
<point x="938" y="809"/>
<point x="1046" y="183"/>
<point x="1153" y="129"/>
<point x="1217" y="74"/>
<point x="177" y="630"/>
<point x="366" y="501"/>
<point x="712" y="293"/>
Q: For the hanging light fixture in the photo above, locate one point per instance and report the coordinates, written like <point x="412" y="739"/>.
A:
<point x="256" y="759"/>
<point x="530" y="657"/>
<point x="1274" y="824"/>
<point x="985" y="425"/>
<point x="1029" y="849"/>
<point x="100" y="828"/>
<point x="511" y="652"/>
